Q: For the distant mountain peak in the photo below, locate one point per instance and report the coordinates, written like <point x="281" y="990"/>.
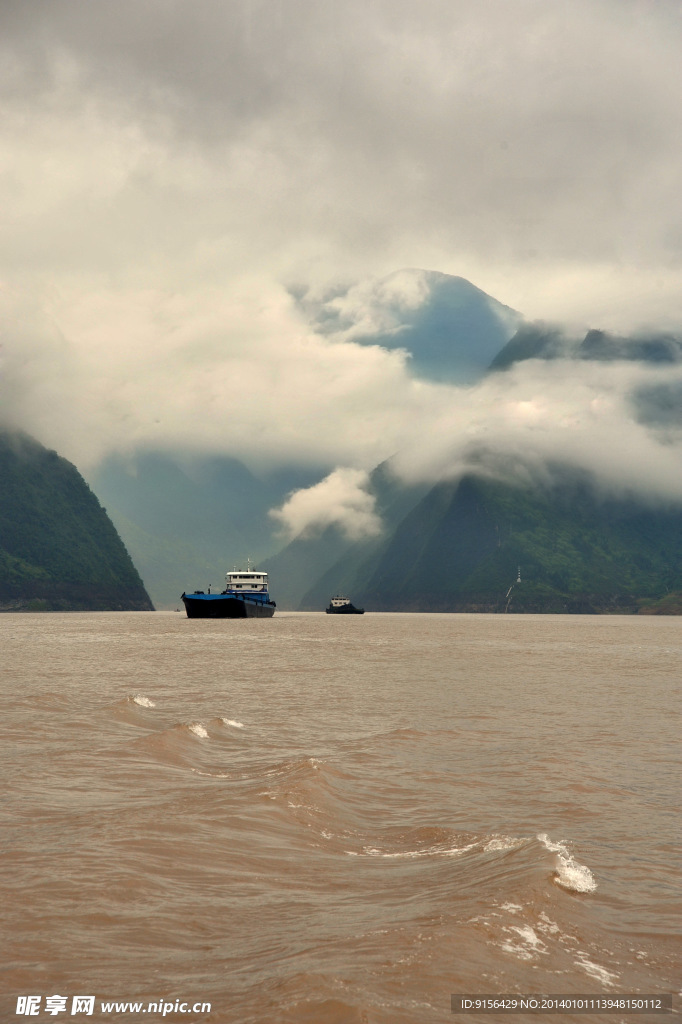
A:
<point x="450" y="328"/>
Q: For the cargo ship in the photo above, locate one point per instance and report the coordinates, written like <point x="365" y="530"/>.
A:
<point x="245" y="596"/>
<point x="343" y="606"/>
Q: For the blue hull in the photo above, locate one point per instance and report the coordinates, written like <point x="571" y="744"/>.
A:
<point x="225" y="606"/>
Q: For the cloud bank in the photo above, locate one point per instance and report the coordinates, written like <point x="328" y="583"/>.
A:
<point x="171" y="175"/>
<point x="340" y="500"/>
<point x="533" y="147"/>
<point x="597" y="417"/>
<point x="618" y="424"/>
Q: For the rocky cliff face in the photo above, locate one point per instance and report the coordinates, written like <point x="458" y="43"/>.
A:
<point x="59" y="550"/>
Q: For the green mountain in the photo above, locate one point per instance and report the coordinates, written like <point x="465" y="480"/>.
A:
<point x="59" y="551"/>
<point x="461" y="547"/>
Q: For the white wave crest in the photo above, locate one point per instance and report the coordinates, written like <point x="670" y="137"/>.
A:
<point x="144" y="702"/>
<point x="546" y="925"/>
<point x="233" y="722"/>
<point x="431" y="851"/>
<point x="607" y="978"/>
<point x="528" y="936"/>
<point x="503" y="843"/>
<point x="569" y="873"/>
<point x="529" y="946"/>
<point x="198" y="729"/>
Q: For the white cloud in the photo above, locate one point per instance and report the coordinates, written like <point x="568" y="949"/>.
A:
<point x="222" y="370"/>
<point x="374" y="307"/>
<point x="340" y="500"/>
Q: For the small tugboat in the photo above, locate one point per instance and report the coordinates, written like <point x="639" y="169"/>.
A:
<point x="245" y="596"/>
<point x="343" y="606"/>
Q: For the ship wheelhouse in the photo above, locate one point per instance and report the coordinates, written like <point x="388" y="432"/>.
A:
<point x="246" y="583"/>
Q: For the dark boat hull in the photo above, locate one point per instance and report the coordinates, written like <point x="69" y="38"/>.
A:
<point x="223" y="606"/>
<point x="347" y="609"/>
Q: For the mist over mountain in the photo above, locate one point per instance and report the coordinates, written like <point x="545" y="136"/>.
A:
<point x="59" y="550"/>
<point x="574" y="441"/>
<point x="450" y="328"/>
<point x="186" y="519"/>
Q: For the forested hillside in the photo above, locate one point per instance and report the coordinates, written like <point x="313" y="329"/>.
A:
<point x="461" y="547"/>
<point x="58" y="549"/>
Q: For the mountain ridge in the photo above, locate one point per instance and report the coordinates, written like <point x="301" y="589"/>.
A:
<point x="460" y="548"/>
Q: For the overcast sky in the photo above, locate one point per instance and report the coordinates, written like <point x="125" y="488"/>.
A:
<point x="170" y="170"/>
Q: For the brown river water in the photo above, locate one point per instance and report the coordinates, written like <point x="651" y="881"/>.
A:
<point x="334" y="819"/>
